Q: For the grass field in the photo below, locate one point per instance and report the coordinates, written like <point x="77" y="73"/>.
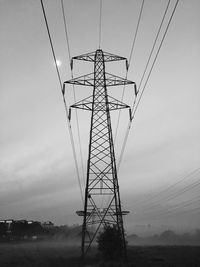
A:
<point x="60" y="254"/>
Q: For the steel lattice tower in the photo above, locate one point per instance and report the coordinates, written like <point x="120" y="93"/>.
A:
<point x="102" y="180"/>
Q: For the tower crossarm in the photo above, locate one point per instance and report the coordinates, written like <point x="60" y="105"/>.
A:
<point x="87" y="80"/>
<point x="113" y="80"/>
<point x="110" y="79"/>
<point x="115" y="104"/>
<point x="86" y="104"/>
<point x="108" y="57"/>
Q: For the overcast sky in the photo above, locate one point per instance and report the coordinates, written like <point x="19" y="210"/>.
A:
<point x="37" y="172"/>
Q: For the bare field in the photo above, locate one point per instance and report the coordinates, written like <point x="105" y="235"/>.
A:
<point x="57" y="254"/>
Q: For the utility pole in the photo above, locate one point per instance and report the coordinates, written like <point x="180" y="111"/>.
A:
<point x="102" y="181"/>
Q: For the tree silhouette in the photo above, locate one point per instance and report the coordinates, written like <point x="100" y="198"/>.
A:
<point x="110" y="243"/>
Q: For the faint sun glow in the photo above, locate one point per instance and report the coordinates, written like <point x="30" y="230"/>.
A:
<point x="58" y="62"/>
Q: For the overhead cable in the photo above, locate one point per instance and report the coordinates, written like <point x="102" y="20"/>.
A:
<point x="160" y="193"/>
<point x="144" y="87"/>
<point x="169" y="197"/>
<point x="51" y="43"/>
<point x="156" y="56"/>
<point x="135" y="36"/>
<point x="74" y="94"/>
<point x="172" y="196"/>
<point x="66" y="32"/>
<point x="174" y="212"/>
<point x="62" y="89"/>
<point x="154" y="44"/>
<point x="100" y="21"/>
<point x="129" y="61"/>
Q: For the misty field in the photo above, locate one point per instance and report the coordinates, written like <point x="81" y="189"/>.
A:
<point x="57" y="254"/>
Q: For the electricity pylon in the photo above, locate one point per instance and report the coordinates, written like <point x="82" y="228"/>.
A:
<point x="102" y="180"/>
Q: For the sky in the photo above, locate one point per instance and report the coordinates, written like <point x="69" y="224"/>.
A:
<point x="37" y="171"/>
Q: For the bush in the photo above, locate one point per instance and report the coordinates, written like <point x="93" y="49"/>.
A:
<point x="111" y="243"/>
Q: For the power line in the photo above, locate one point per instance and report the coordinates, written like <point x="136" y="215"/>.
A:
<point x="181" y="211"/>
<point x="154" y="44"/>
<point x="185" y="204"/>
<point x="65" y="26"/>
<point x="170" y="213"/>
<point x="135" y="35"/>
<point x="169" y="187"/>
<point x="129" y="61"/>
<point x="186" y="189"/>
<point x="174" y="195"/>
<point x="167" y="209"/>
<point x="100" y="21"/>
<point x="177" y="209"/>
<point x="161" y="43"/>
<point x="51" y="43"/>
<point x="170" y="197"/>
<point x="136" y="107"/>
<point x="62" y="90"/>
<point x="74" y="94"/>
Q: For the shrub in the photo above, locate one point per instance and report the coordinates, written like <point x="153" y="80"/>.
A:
<point x="110" y="243"/>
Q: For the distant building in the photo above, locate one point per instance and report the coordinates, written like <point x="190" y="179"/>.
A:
<point x="47" y="225"/>
<point x="23" y="229"/>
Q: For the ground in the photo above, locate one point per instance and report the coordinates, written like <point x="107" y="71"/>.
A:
<point x="59" y="254"/>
